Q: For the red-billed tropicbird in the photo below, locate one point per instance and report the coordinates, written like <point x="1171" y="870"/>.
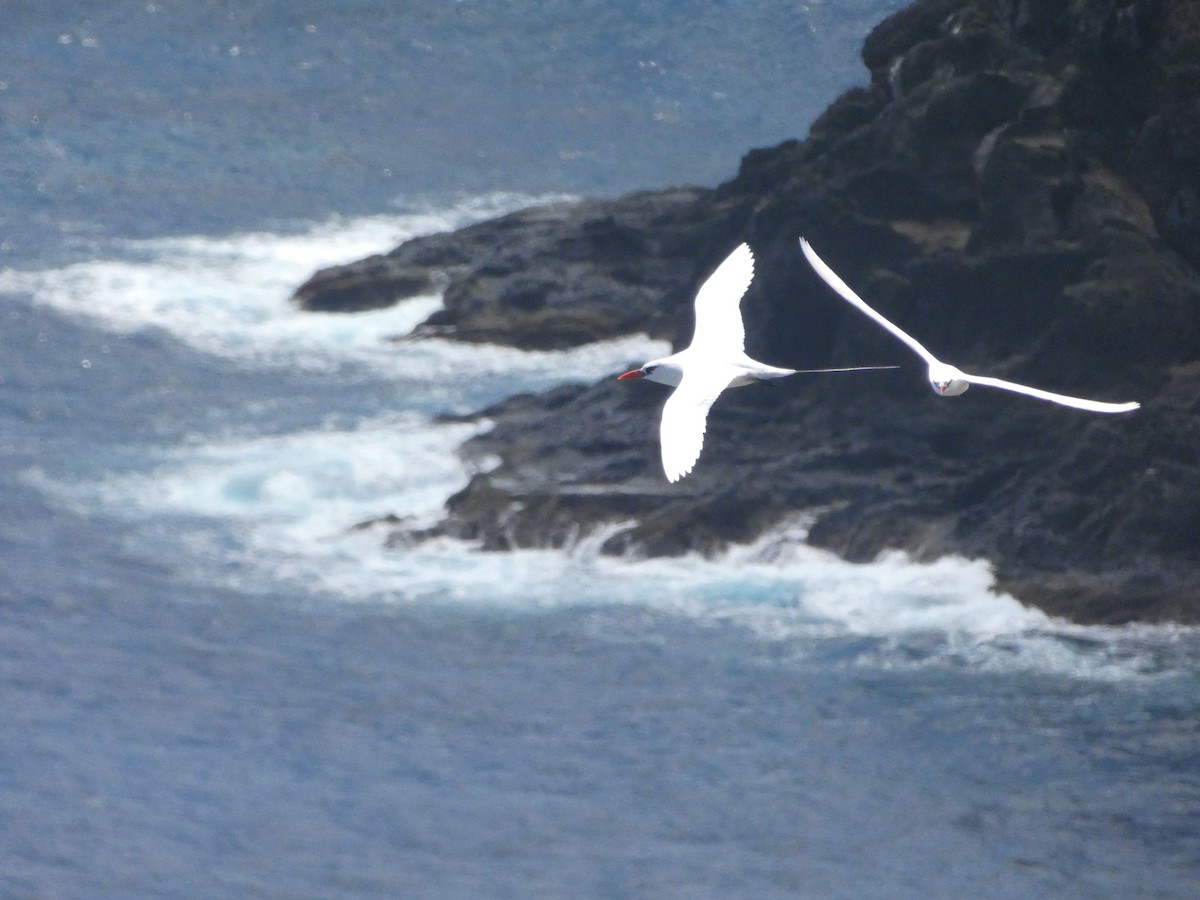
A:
<point x="715" y="360"/>
<point x="947" y="380"/>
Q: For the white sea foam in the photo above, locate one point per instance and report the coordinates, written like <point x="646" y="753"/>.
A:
<point x="306" y="481"/>
<point x="291" y="503"/>
<point x="229" y="297"/>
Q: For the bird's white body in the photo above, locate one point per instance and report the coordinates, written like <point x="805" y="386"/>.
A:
<point x="945" y="379"/>
<point x="669" y="370"/>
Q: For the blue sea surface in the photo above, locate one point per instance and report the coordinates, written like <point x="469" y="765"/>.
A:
<point x="214" y="682"/>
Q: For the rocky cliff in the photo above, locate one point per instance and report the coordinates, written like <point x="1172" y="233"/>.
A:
<point x="1018" y="185"/>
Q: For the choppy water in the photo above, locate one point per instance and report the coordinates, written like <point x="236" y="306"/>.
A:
<point x="213" y="685"/>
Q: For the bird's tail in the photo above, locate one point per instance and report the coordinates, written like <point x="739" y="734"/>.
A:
<point x="843" y="369"/>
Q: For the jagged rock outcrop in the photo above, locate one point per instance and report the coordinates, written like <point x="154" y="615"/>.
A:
<point x="1019" y="185"/>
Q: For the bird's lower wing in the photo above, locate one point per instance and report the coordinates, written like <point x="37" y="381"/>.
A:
<point x="1077" y="402"/>
<point x="684" y="419"/>
<point x="832" y="279"/>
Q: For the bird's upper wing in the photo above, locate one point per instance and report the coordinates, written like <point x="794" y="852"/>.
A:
<point x="718" y="303"/>
<point x="681" y="434"/>
<point x="832" y="279"/>
<point x="1077" y="402"/>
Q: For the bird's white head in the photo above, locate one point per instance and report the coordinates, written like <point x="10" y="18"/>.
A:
<point x="947" y="380"/>
<point x="664" y="371"/>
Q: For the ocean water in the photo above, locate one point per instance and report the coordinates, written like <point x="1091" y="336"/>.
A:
<point x="215" y="683"/>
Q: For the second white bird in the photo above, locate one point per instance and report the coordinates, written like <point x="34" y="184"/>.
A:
<point x="945" y="379"/>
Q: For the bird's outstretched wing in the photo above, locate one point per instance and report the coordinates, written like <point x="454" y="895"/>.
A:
<point x="831" y="278"/>
<point x="684" y="418"/>
<point x="1099" y="406"/>
<point x="718" y="304"/>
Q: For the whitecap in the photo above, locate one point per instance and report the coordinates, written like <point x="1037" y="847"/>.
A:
<point x="292" y="504"/>
<point x="229" y="296"/>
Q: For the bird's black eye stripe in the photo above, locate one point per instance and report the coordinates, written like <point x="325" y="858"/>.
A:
<point x="650" y="369"/>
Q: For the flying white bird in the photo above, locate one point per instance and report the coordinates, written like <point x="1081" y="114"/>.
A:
<point x="715" y="360"/>
<point x="946" y="379"/>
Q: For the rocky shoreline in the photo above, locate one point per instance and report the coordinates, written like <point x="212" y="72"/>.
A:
<point x="1018" y="184"/>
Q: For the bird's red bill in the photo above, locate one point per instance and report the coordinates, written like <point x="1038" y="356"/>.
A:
<point x="636" y="373"/>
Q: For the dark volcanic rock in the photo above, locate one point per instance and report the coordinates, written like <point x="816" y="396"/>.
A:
<point x="545" y="278"/>
<point x="1019" y="185"/>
